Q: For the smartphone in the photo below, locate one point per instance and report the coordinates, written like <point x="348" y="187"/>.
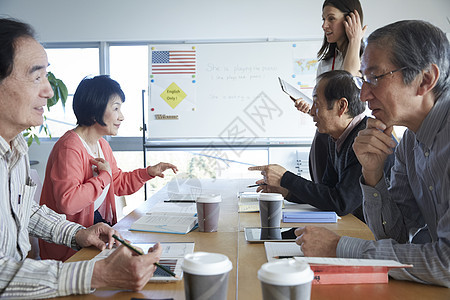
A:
<point x="269" y="234"/>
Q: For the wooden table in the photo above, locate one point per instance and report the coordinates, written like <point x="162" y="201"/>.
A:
<point x="247" y="258"/>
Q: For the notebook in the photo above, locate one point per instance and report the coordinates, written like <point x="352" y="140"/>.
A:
<point x="309" y="217"/>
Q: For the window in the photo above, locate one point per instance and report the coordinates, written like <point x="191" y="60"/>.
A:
<point x="129" y="67"/>
<point x="70" y="65"/>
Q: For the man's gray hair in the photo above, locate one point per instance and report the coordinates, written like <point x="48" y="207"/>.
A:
<point x="416" y="45"/>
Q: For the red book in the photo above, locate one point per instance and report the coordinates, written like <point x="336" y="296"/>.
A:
<point x="331" y="274"/>
<point x="329" y="270"/>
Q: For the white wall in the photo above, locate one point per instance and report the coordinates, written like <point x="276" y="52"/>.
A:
<point x="179" y="20"/>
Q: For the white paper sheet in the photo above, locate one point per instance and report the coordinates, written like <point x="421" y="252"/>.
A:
<point x="281" y="249"/>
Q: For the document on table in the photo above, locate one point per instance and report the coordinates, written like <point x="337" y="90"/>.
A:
<point x="171" y="257"/>
<point x="165" y="222"/>
<point x="274" y="249"/>
<point x="188" y="209"/>
<point x="335" y="261"/>
<point x="248" y="202"/>
<point x="305" y="213"/>
<point x="291" y="249"/>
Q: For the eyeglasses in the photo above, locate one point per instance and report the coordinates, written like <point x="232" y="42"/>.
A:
<point x="372" y="80"/>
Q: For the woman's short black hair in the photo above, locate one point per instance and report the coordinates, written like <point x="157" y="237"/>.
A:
<point x="92" y="97"/>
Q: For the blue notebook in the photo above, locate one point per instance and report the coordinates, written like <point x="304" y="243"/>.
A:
<point x="309" y="217"/>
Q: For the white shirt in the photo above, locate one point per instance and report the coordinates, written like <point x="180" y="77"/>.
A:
<point x="327" y="65"/>
<point x="99" y="201"/>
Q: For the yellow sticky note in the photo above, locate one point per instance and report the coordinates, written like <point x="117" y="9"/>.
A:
<point x="173" y="95"/>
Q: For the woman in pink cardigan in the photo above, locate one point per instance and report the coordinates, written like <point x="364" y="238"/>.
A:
<point x="82" y="176"/>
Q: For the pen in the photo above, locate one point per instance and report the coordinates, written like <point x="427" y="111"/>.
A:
<point x="126" y="244"/>
<point x="281" y="256"/>
<point x="255" y="185"/>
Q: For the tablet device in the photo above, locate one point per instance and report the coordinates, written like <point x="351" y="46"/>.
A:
<point x="293" y="92"/>
<point x="266" y="234"/>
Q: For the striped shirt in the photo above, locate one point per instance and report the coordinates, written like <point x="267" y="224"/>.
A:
<point x="411" y="219"/>
<point x="21" y="216"/>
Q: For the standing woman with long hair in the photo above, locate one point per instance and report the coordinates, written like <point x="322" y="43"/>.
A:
<point x="341" y="49"/>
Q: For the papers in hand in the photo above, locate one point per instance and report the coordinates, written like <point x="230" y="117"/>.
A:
<point x="293" y="92"/>
<point x="171" y="257"/>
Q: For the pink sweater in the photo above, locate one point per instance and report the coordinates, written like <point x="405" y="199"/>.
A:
<point x="71" y="189"/>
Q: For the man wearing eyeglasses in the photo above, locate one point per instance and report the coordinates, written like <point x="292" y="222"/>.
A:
<point x="406" y="81"/>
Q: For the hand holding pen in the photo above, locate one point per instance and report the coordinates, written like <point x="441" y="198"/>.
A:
<point x="129" y="246"/>
<point x="125" y="269"/>
<point x="255" y="185"/>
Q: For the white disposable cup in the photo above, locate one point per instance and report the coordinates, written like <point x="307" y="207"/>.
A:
<point x="206" y="276"/>
<point x="286" y="279"/>
<point x="270" y="205"/>
<point x="208" y="210"/>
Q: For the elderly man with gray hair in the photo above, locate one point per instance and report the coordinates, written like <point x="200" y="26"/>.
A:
<point x="406" y="81"/>
<point x="24" y="89"/>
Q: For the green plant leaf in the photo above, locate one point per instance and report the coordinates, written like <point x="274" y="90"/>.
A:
<point x="63" y="91"/>
<point x="36" y="138"/>
<point x="60" y="93"/>
<point x="29" y="141"/>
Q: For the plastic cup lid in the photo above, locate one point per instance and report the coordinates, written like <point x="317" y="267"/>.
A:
<point x="286" y="272"/>
<point x="209" y="198"/>
<point x="206" y="263"/>
<point x="271" y="197"/>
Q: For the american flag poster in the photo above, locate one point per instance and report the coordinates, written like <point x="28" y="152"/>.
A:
<point x="174" y="62"/>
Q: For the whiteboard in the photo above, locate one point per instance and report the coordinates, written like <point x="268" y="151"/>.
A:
<point x="230" y="91"/>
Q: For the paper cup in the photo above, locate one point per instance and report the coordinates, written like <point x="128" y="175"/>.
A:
<point x="208" y="210"/>
<point x="286" y="279"/>
<point x="270" y="205"/>
<point x="206" y="276"/>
